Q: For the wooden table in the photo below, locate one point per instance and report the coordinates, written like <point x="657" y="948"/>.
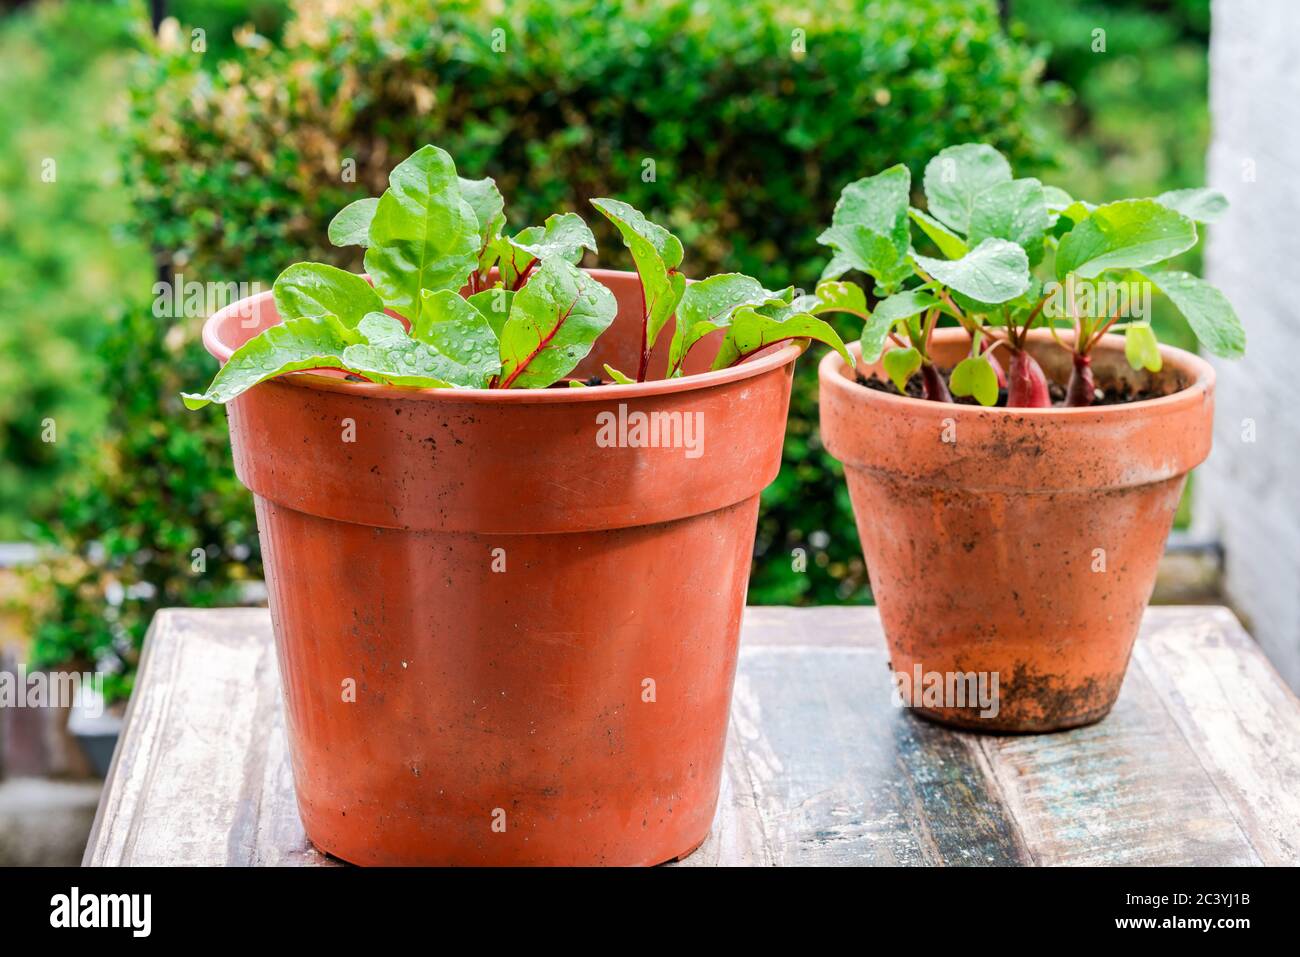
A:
<point x="1198" y="764"/>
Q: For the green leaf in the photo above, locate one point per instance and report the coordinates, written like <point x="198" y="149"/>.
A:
<point x="460" y="331"/>
<point x="995" y="271"/>
<point x="992" y="311"/>
<point x="315" y="289"/>
<point x="1056" y="198"/>
<point x="751" y="331"/>
<point x="509" y="259"/>
<point x="1057" y="201"/>
<point x="904" y="305"/>
<point x="424" y="234"/>
<point x="1202" y="205"/>
<point x="832" y="296"/>
<point x="629" y="220"/>
<point x="707" y="305"/>
<point x="956" y="176"/>
<point x="553" y="322"/>
<point x="657" y="254"/>
<point x="618" y="377"/>
<point x="307" y="342"/>
<point x="1078" y="211"/>
<point x="379" y="327"/>
<point x="494" y="304"/>
<point x="489" y="211"/>
<point x="877" y="202"/>
<point x="900" y="306"/>
<point x="949" y="243"/>
<point x="869" y="228"/>
<point x="1207" y="311"/>
<point x="974" y="376"/>
<point x="390" y="355"/>
<point x="1127" y="234"/>
<point x="840" y="264"/>
<point x="1141" y="348"/>
<point x="351" y="224"/>
<point x="1016" y="211"/>
<point x="1070" y="215"/>
<point x="564" y="235"/>
<point x="868" y="251"/>
<point x="900" y="364"/>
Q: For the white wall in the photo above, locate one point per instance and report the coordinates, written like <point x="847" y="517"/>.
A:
<point x="1249" y="491"/>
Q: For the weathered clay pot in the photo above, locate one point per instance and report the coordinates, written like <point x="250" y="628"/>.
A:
<point x="1021" y="542"/>
<point x="500" y="641"/>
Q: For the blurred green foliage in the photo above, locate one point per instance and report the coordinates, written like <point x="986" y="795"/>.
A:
<point x="755" y="116"/>
<point x="138" y="487"/>
<point x="64" y="250"/>
<point x="221" y="21"/>
<point x="157" y="521"/>
<point x="68" y="245"/>
<point x="1133" y="117"/>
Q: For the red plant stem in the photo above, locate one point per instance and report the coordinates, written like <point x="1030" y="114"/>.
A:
<point x="523" y="276"/>
<point x="1029" y="320"/>
<point x="644" y="362"/>
<point x="1082" y="389"/>
<point x="542" y="343"/>
<point x="1026" y="383"/>
<point x="934" y="388"/>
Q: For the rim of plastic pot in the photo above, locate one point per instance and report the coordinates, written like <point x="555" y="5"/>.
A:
<point x="772" y="357"/>
<point x="834" y="373"/>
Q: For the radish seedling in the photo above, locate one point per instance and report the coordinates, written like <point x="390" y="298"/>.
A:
<point x="994" y="233"/>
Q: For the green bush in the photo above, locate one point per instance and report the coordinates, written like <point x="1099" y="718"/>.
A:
<point x="62" y="256"/>
<point x="159" y="487"/>
<point x="66" y="253"/>
<point x="737" y="125"/>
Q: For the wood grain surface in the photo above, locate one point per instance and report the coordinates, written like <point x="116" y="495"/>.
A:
<point x="1199" y="763"/>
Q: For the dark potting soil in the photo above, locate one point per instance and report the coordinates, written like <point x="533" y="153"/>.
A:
<point x="589" y="381"/>
<point x="1109" y="395"/>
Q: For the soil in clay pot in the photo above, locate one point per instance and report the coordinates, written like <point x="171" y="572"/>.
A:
<point x="1109" y="393"/>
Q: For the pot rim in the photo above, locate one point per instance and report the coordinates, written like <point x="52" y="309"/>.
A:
<point x="831" y="373"/>
<point x="772" y="358"/>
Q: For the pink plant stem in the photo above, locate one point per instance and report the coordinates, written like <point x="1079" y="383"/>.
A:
<point x="1082" y="389"/>
<point x="935" y="389"/>
<point x="1026" y="383"/>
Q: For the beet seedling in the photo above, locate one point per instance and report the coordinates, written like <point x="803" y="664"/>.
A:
<point x="994" y="232"/>
<point x="452" y="301"/>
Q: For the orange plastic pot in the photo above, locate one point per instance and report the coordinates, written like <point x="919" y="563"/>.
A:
<point x="503" y="638"/>
<point x="1021" y="543"/>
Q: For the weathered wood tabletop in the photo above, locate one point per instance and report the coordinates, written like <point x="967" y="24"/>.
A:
<point x="1199" y="763"/>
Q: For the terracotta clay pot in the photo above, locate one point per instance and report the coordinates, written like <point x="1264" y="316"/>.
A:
<point x="1017" y="542"/>
<point x="501" y="641"/>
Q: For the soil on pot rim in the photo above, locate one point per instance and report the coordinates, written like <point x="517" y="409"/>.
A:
<point x="1109" y="393"/>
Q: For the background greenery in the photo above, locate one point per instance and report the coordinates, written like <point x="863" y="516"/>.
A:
<point x="227" y="164"/>
<point x="65" y="246"/>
